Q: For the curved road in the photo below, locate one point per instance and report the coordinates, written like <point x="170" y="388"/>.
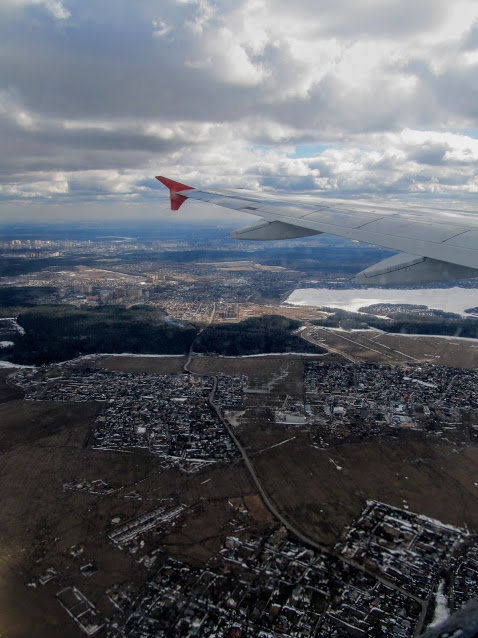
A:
<point x="286" y="523"/>
<point x="269" y="503"/>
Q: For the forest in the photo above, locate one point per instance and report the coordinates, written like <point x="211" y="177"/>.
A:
<point x="57" y="333"/>
<point x="271" y="333"/>
<point x="440" y="323"/>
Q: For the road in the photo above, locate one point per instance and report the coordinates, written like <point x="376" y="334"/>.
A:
<point x="272" y="507"/>
<point x="294" y="530"/>
<point x="269" y="503"/>
<point x="191" y="347"/>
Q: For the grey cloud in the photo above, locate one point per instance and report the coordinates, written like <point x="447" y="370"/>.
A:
<point x="470" y="42"/>
<point x="110" y="71"/>
<point x="456" y="178"/>
<point x="451" y="93"/>
<point x="324" y="168"/>
<point x="53" y="148"/>
<point x="432" y="154"/>
<point x="290" y="183"/>
<point x="76" y="74"/>
<point x="349" y="18"/>
<point x="458" y="91"/>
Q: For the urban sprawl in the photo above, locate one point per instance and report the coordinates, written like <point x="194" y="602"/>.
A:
<point x="391" y="570"/>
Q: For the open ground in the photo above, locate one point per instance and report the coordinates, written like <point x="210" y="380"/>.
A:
<point x="375" y="346"/>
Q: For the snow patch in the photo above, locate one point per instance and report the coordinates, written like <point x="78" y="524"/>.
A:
<point x="8" y="364"/>
<point x="132" y="354"/>
<point x="441" y="606"/>
<point x="267" y="354"/>
<point x="454" y="299"/>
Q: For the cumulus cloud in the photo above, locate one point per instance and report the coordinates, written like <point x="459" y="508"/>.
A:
<point x="336" y="97"/>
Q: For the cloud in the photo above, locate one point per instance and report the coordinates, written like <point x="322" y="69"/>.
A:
<point x="55" y="8"/>
<point x="96" y="98"/>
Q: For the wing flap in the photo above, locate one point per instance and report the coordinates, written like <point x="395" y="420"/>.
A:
<point x="413" y="229"/>
<point x="468" y="239"/>
<point x="409" y="270"/>
<point x="271" y="231"/>
<point x="346" y="220"/>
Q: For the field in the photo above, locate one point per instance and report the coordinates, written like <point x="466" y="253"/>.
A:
<point x="310" y="489"/>
<point x="7" y="391"/>
<point x="281" y="372"/>
<point x="374" y="346"/>
<point x="461" y="353"/>
<point x="291" y="312"/>
<point x="354" y="346"/>
<point x="156" y="365"/>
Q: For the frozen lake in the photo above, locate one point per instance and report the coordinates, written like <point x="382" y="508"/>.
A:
<point x="447" y="299"/>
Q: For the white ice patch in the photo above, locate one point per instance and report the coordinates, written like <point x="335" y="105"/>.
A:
<point x="455" y="299"/>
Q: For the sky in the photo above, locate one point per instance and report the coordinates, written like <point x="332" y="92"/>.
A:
<point x="370" y="99"/>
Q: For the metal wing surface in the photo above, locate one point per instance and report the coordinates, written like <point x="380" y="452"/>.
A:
<point x="434" y="244"/>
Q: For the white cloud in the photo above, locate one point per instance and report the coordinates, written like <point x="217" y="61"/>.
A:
<point x="12" y="110"/>
<point x="45" y="186"/>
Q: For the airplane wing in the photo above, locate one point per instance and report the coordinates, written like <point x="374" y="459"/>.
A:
<point x="434" y="244"/>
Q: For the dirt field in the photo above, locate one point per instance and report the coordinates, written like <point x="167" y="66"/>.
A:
<point x="8" y="392"/>
<point x="460" y="353"/>
<point x="356" y="346"/>
<point x="204" y="529"/>
<point x="25" y="422"/>
<point x="370" y="346"/>
<point x="430" y="478"/>
<point x="292" y="312"/>
<point x="158" y="365"/>
<point x="258" y="430"/>
<point x="280" y="373"/>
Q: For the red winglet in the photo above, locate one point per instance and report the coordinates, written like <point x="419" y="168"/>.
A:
<point x="174" y="187"/>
